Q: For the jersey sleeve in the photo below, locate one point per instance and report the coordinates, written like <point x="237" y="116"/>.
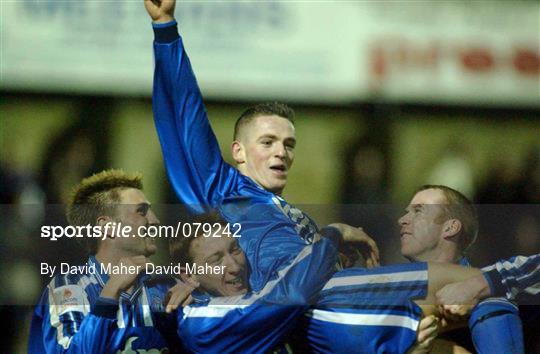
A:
<point x="258" y="328"/>
<point x="517" y="278"/>
<point x="64" y="322"/>
<point x="196" y="169"/>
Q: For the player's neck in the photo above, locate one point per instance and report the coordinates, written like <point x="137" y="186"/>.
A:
<point x="243" y="173"/>
<point x="445" y="256"/>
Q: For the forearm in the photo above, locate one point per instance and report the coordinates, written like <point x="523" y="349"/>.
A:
<point x="110" y="291"/>
<point x="190" y="149"/>
<point x="441" y="274"/>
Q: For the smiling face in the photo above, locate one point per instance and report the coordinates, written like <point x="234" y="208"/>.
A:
<point x="220" y="251"/>
<point x="264" y="151"/>
<point x="422" y="227"/>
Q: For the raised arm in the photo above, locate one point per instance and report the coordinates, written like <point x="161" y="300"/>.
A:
<point x="192" y="157"/>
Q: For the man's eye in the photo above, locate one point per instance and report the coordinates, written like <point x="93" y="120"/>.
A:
<point x="266" y="142"/>
<point x="236" y="250"/>
<point x="213" y="260"/>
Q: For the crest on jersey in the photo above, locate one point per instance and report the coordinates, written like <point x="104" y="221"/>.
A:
<point x="304" y="226"/>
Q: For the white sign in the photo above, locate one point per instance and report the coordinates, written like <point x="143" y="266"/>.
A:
<point x="446" y="52"/>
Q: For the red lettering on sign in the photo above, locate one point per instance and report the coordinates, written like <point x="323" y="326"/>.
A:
<point x="527" y="62"/>
<point x="477" y="59"/>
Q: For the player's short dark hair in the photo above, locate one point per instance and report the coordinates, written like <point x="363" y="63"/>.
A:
<point x="263" y="109"/>
<point x="458" y="206"/>
<point x="96" y="196"/>
<point x="179" y="246"/>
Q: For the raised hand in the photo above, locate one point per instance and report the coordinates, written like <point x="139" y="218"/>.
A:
<point x="161" y="11"/>
<point x="356" y="240"/>
<point x="467" y="292"/>
<point x="130" y="269"/>
<point x="179" y="295"/>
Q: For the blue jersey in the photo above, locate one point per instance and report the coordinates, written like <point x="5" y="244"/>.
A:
<point x="289" y="263"/>
<point x="370" y="311"/>
<point x="366" y="311"/>
<point x="72" y="318"/>
<point x="358" y="310"/>
<point x="253" y="323"/>
<point x="273" y="233"/>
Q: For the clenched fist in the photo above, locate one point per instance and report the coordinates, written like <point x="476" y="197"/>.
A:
<point x="161" y="11"/>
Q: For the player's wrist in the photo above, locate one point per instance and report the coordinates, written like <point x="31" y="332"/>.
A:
<point x="166" y="32"/>
<point x="111" y="290"/>
<point x="164" y="19"/>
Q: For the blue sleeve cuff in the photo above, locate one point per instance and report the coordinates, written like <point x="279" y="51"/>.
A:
<point x="105" y="307"/>
<point x="495" y="283"/>
<point x="333" y="234"/>
<point x="165" y="32"/>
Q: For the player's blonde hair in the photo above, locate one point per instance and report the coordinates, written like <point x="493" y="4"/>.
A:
<point x="96" y="196"/>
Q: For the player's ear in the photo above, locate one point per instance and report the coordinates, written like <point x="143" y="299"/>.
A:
<point x="102" y="221"/>
<point x="238" y="152"/>
<point x="451" y="228"/>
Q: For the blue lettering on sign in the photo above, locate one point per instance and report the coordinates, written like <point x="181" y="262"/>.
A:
<point x="49" y="8"/>
<point x="218" y="19"/>
<point x="86" y="20"/>
<point x="224" y="17"/>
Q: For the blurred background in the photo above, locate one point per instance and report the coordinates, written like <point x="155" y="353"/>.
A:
<point x="388" y="96"/>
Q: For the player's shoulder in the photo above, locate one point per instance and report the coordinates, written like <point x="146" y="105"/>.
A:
<point x="79" y="279"/>
<point x="69" y="292"/>
<point x="74" y="288"/>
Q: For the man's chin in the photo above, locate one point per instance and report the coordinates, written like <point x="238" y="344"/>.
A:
<point x="236" y="292"/>
<point x="277" y="188"/>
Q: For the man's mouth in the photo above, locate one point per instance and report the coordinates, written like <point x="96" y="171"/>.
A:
<point x="405" y="233"/>
<point x="279" y="169"/>
<point x="237" y="282"/>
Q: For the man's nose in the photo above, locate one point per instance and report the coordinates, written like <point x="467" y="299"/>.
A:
<point x="152" y="218"/>
<point x="281" y="151"/>
<point x="403" y="220"/>
<point x="231" y="265"/>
